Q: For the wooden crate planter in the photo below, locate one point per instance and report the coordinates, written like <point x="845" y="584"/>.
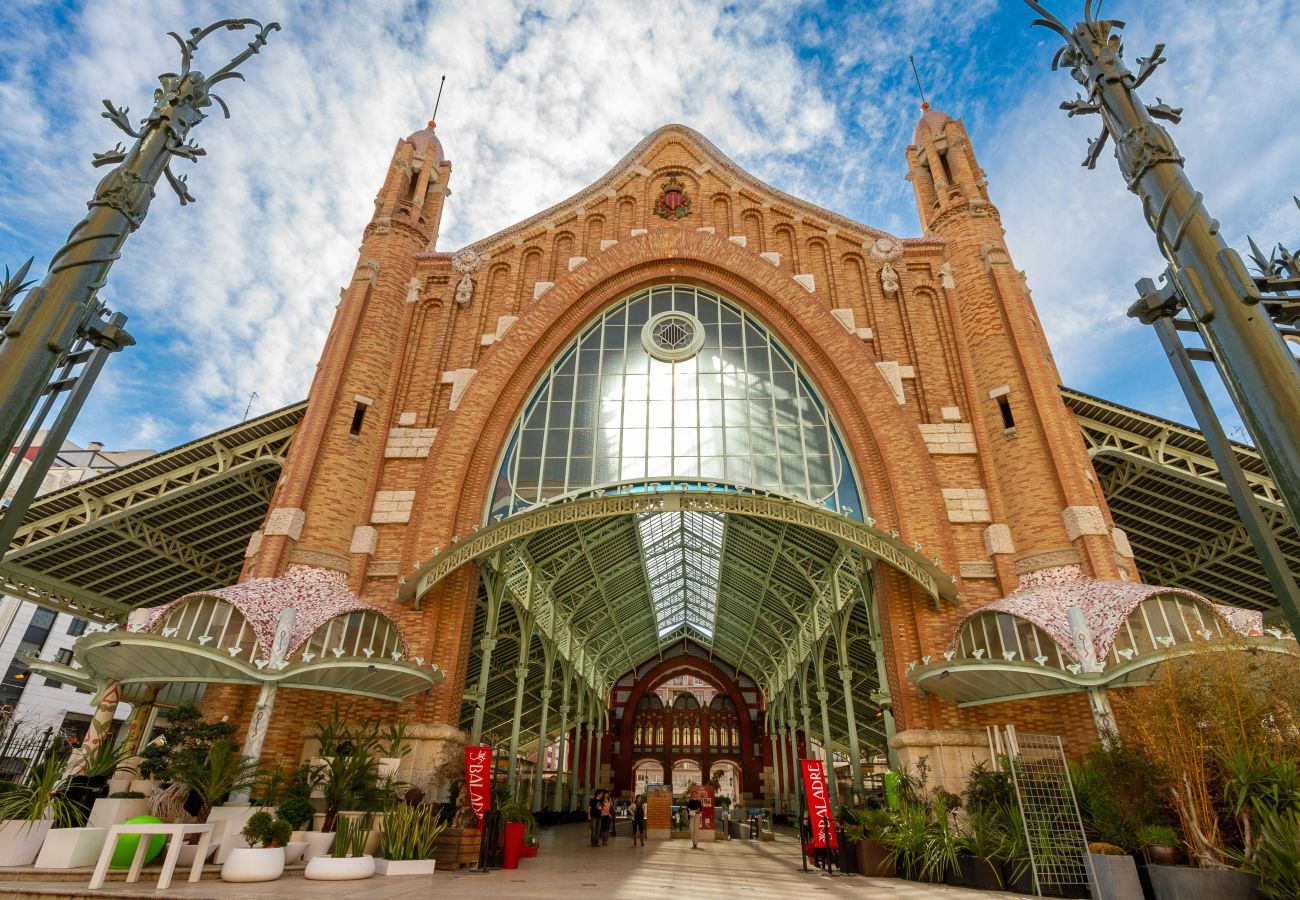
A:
<point x="457" y="848"/>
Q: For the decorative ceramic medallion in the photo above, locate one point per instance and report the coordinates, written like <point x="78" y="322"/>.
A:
<point x="672" y="336"/>
<point x="673" y="203"/>
<point x="466" y="261"/>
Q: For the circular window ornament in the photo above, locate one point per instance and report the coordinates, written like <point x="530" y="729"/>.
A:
<point x="672" y="336"/>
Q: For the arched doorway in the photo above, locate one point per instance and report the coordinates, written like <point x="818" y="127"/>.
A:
<point x="685" y="773"/>
<point x="729" y="785"/>
<point x="645" y="773"/>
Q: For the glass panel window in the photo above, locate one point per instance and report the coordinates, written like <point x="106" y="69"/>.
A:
<point x="673" y="383"/>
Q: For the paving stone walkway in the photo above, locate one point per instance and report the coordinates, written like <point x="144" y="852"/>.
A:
<point x="566" y="867"/>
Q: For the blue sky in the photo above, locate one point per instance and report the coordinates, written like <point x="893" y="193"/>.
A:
<point x="234" y="294"/>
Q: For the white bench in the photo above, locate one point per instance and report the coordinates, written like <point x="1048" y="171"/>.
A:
<point x="176" y="835"/>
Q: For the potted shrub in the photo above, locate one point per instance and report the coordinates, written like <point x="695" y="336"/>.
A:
<point x="1159" y="843"/>
<point x="906" y="837"/>
<point x="297" y="811"/>
<point x="985" y="837"/>
<point x="407" y="839"/>
<point x="519" y="821"/>
<point x="347" y="861"/>
<point x="865" y="827"/>
<point x="210" y="779"/>
<point x="458" y="844"/>
<point x="530" y="846"/>
<point x="30" y="806"/>
<point x="263" y="858"/>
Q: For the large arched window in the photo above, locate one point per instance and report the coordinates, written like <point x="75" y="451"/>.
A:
<point x="674" y="383"/>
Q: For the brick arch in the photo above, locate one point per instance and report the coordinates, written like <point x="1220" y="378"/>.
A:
<point x="709" y="671"/>
<point x="894" y="468"/>
<point x="895" y="472"/>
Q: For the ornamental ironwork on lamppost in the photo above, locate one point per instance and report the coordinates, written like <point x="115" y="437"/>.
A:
<point x="1226" y="306"/>
<point x="60" y="336"/>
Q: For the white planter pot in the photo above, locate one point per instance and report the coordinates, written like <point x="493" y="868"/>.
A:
<point x="404" y="866"/>
<point x="347" y="868"/>
<point x="145" y="786"/>
<point x="388" y="766"/>
<point x="293" y="851"/>
<point x="317" y="821"/>
<point x="107" y="811"/>
<point x="228" y="824"/>
<point x="185" y="857"/>
<point x="318" y="844"/>
<point x="298" y="835"/>
<point x="70" y="848"/>
<point x="20" y="841"/>
<point x="253" y="864"/>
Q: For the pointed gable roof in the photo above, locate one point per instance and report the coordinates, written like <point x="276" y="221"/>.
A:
<point x="713" y="160"/>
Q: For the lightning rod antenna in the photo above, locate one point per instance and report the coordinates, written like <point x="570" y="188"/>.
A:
<point x="919" y="89"/>
<point x="436" y="103"/>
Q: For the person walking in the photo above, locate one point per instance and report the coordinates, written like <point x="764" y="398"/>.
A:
<point x="606" y="817"/>
<point x="695" y="810"/>
<point x="638" y="819"/>
<point x="593" y="817"/>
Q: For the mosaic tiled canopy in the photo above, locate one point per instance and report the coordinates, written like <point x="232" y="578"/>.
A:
<point x="319" y="595"/>
<point x="1044" y="597"/>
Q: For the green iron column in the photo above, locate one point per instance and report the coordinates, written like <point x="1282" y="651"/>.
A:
<point x="512" y="766"/>
<point x="778" y="759"/>
<point x="881" y="695"/>
<point x="595" y="768"/>
<point x="562" y="748"/>
<point x="577" y="745"/>
<point x="542" y="735"/>
<point x="495" y="585"/>
<point x="855" y="759"/>
<point x="827" y="755"/>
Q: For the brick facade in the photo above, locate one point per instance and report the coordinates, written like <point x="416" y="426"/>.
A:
<point x="927" y="350"/>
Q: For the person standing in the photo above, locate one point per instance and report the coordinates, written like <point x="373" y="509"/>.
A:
<point x="638" y="819"/>
<point x="593" y="817"/>
<point x="606" y="817"/>
<point x="695" y="810"/>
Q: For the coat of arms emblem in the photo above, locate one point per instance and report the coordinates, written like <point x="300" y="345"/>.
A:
<point x="673" y="202"/>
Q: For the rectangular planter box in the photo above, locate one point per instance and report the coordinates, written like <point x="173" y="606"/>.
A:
<point x="457" y="847"/>
<point x="20" y="841"/>
<point x="404" y="866"/>
<point x="107" y="811"/>
<point x="1116" y="878"/>
<point x="71" y="848"/>
<point x="1190" y="883"/>
<point x="228" y="822"/>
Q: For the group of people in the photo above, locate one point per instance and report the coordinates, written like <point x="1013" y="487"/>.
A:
<point x="600" y="815"/>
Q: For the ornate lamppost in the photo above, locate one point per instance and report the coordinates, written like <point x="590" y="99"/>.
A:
<point x="1242" y="326"/>
<point x="61" y="335"/>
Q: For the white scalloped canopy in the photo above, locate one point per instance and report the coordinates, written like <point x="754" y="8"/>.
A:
<point x="318" y="594"/>
<point x="1043" y="598"/>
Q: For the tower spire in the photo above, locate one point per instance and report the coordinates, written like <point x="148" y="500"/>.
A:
<point x="436" y="103"/>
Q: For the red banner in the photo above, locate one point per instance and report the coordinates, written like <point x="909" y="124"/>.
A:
<point x="478" y="780"/>
<point x="704" y="793"/>
<point x="820" y="815"/>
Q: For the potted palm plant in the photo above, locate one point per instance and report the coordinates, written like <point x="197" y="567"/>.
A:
<point x="263" y="858"/>
<point x="210" y="778"/>
<point x="865" y="826"/>
<point x="519" y="819"/>
<point x="31" y="805"/>
<point x="348" y="860"/>
<point x="407" y="839"/>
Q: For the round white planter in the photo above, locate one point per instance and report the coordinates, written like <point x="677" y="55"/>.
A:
<point x="318" y="844"/>
<point x="347" y="868"/>
<point x="253" y="864"/>
<point x="293" y="851"/>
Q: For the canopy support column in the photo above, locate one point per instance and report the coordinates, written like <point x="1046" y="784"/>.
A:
<point x="542" y="742"/>
<point x="577" y="746"/>
<point x="561" y="773"/>
<point x="882" y="693"/>
<point x="778" y="763"/>
<point x="105" y="708"/>
<point x="257" y="728"/>
<point x="595" y="768"/>
<point x="827" y="756"/>
<point x="139" y="720"/>
<point x="855" y="758"/>
<point x="496" y="588"/>
<point x="512" y="764"/>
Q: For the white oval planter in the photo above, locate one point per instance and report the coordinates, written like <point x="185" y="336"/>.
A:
<point x="318" y="844"/>
<point x="346" y="868"/>
<point x="21" y="840"/>
<point x="404" y="866"/>
<point x="293" y="851"/>
<point x="253" y="864"/>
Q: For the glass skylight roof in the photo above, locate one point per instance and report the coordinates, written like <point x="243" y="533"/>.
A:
<point x="683" y="553"/>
